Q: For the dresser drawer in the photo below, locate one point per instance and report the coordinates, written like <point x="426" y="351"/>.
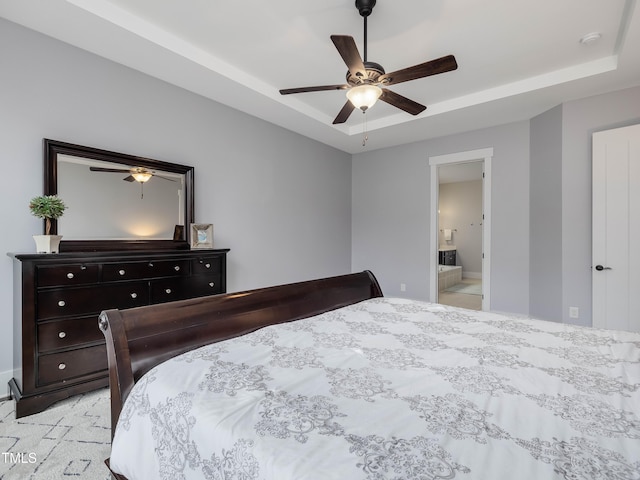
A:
<point x="171" y="289"/>
<point x="68" y="333"/>
<point x="57" y="367"/>
<point x="206" y="265"/>
<point x="204" y="285"/>
<point x="86" y="300"/>
<point x="60" y="275"/>
<point x="147" y="269"/>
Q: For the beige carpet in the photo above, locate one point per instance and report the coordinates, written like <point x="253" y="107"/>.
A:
<point x="69" y="440"/>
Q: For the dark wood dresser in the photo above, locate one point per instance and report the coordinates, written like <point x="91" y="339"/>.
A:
<point x="58" y="349"/>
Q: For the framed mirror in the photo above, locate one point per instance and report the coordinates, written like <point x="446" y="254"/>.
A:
<point x="117" y="201"/>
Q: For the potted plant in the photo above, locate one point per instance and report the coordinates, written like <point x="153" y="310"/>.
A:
<point x="48" y="207"/>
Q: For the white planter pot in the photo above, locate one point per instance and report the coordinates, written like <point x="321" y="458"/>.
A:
<point x="47" y="243"/>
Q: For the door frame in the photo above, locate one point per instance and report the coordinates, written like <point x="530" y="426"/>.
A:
<point x="484" y="155"/>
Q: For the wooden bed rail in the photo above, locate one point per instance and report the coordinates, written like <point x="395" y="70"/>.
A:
<point x="140" y="338"/>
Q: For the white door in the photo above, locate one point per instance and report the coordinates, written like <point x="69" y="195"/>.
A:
<point x="616" y="229"/>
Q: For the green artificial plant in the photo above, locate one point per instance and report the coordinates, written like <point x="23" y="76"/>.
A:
<point x="48" y="207"/>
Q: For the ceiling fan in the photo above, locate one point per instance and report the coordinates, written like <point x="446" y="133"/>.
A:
<point x="366" y="81"/>
<point x="138" y="174"/>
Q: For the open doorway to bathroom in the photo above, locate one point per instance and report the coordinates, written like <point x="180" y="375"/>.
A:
<point x="460" y="235"/>
<point x="460" y="240"/>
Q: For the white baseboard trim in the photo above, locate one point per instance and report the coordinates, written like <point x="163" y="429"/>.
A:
<point x="472" y="275"/>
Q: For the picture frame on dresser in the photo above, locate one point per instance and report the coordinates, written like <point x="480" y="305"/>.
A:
<point x="201" y="235"/>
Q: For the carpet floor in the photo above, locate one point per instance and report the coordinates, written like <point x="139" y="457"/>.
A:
<point x="70" y="439"/>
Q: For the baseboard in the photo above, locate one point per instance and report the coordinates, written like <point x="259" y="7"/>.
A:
<point x="5" y="394"/>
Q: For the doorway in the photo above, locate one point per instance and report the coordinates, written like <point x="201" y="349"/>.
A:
<point x="457" y="237"/>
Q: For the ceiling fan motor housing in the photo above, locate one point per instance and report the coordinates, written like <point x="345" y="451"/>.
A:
<point x="365" y="7"/>
<point x="374" y="70"/>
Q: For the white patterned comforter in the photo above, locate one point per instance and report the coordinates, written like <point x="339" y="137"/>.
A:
<point x="391" y="389"/>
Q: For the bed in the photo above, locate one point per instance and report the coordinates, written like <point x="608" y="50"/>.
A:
<point x="328" y="379"/>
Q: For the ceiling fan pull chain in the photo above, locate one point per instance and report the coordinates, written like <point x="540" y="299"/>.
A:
<point x="365" y="137"/>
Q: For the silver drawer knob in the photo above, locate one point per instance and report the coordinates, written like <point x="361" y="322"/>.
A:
<point x="62" y="366"/>
<point x="168" y="290"/>
<point x="177" y="268"/>
<point x="121" y="272"/>
<point x="207" y="265"/>
<point x="211" y="284"/>
<point x="62" y="334"/>
<point x="61" y="303"/>
<point x="69" y="275"/>
<point x="151" y="264"/>
<point x="134" y="295"/>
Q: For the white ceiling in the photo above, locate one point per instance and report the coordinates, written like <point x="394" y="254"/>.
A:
<point x="517" y="58"/>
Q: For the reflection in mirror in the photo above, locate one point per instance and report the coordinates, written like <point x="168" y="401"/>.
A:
<point x="117" y="201"/>
<point x="103" y="204"/>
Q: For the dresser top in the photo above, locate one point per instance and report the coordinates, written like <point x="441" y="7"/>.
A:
<point x="97" y="256"/>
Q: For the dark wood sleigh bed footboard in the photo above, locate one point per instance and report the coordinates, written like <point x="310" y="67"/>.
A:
<point x="140" y="338"/>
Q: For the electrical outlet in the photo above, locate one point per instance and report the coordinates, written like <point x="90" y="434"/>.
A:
<point x="403" y="287"/>
<point x="574" y="312"/>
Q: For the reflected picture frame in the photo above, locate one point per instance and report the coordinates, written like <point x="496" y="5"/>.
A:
<point x="201" y="235"/>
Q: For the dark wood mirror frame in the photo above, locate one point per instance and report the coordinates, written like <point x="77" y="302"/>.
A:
<point x="52" y="148"/>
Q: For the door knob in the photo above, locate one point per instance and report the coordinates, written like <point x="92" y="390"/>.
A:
<point x="600" y="268"/>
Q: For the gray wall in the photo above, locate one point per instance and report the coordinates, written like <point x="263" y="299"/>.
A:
<point x="580" y="119"/>
<point x="545" y="287"/>
<point x="541" y="207"/>
<point x="391" y="208"/>
<point x="247" y="171"/>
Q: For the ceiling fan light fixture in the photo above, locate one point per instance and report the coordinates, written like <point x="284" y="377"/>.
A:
<point x="364" y="96"/>
<point x="141" y="177"/>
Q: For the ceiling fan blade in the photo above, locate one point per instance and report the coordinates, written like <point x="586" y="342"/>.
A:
<point x="114" y="170"/>
<point x="344" y="113"/>
<point x="433" y="67"/>
<point x="129" y="178"/>
<point x="403" y="103"/>
<point x="288" y="91"/>
<point x="348" y="50"/>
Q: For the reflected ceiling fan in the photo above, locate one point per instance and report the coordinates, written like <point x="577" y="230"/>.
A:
<point x="366" y="81"/>
<point x="137" y="174"/>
